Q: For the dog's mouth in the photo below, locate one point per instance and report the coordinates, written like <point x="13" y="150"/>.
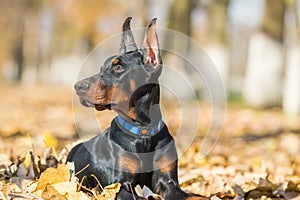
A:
<point x="98" y="107"/>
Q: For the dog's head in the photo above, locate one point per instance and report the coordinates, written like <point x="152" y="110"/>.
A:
<point x="125" y="75"/>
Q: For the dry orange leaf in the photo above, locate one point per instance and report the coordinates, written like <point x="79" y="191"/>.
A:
<point x="50" y="193"/>
<point x="52" y="176"/>
<point x="65" y="188"/>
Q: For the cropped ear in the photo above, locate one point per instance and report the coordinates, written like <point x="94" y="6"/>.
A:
<point x="127" y="39"/>
<point x="150" y="47"/>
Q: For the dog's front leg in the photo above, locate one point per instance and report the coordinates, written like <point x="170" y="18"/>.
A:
<point x="166" y="185"/>
<point x="165" y="181"/>
<point x="165" y="177"/>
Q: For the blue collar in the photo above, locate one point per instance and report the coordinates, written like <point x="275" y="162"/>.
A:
<point x="138" y="130"/>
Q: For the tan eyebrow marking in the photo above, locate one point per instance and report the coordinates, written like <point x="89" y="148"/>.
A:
<point x="116" y="61"/>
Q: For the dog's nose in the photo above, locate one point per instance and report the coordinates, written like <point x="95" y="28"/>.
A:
<point x="82" y="86"/>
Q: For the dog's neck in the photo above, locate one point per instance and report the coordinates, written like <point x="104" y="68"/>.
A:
<point x="144" y="109"/>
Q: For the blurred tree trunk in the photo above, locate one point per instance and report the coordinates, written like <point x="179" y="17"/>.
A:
<point x="218" y="21"/>
<point x="32" y="17"/>
<point x="24" y="45"/>
<point x="264" y="73"/>
<point x="44" y="43"/>
<point x="295" y="7"/>
<point x="291" y="90"/>
<point x="273" y="21"/>
<point x="217" y="47"/>
<point x="180" y="16"/>
<point x="179" y="19"/>
<point x="17" y="53"/>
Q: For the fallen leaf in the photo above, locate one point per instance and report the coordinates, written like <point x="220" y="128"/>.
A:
<point x="110" y="191"/>
<point x="293" y="186"/>
<point x="27" y="196"/>
<point x="264" y="188"/>
<point x="31" y="187"/>
<point x="147" y="193"/>
<point x="65" y="188"/>
<point x="49" y="193"/>
<point x="6" y="189"/>
<point x="265" y="183"/>
<point x="138" y="190"/>
<point x="53" y="175"/>
<point x="293" y="190"/>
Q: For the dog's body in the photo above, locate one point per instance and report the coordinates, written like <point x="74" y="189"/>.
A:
<point x="137" y="148"/>
<point x="118" y="157"/>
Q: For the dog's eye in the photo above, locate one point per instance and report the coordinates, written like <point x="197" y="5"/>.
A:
<point x="118" y="69"/>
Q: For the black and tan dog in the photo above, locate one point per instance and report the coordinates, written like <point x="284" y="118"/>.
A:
<point x="137" y="148"/>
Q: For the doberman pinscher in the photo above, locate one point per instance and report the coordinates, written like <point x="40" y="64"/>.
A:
<point x="137" y="148"/>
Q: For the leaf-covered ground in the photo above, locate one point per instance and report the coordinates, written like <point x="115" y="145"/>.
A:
<point x="257" y="155"/>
